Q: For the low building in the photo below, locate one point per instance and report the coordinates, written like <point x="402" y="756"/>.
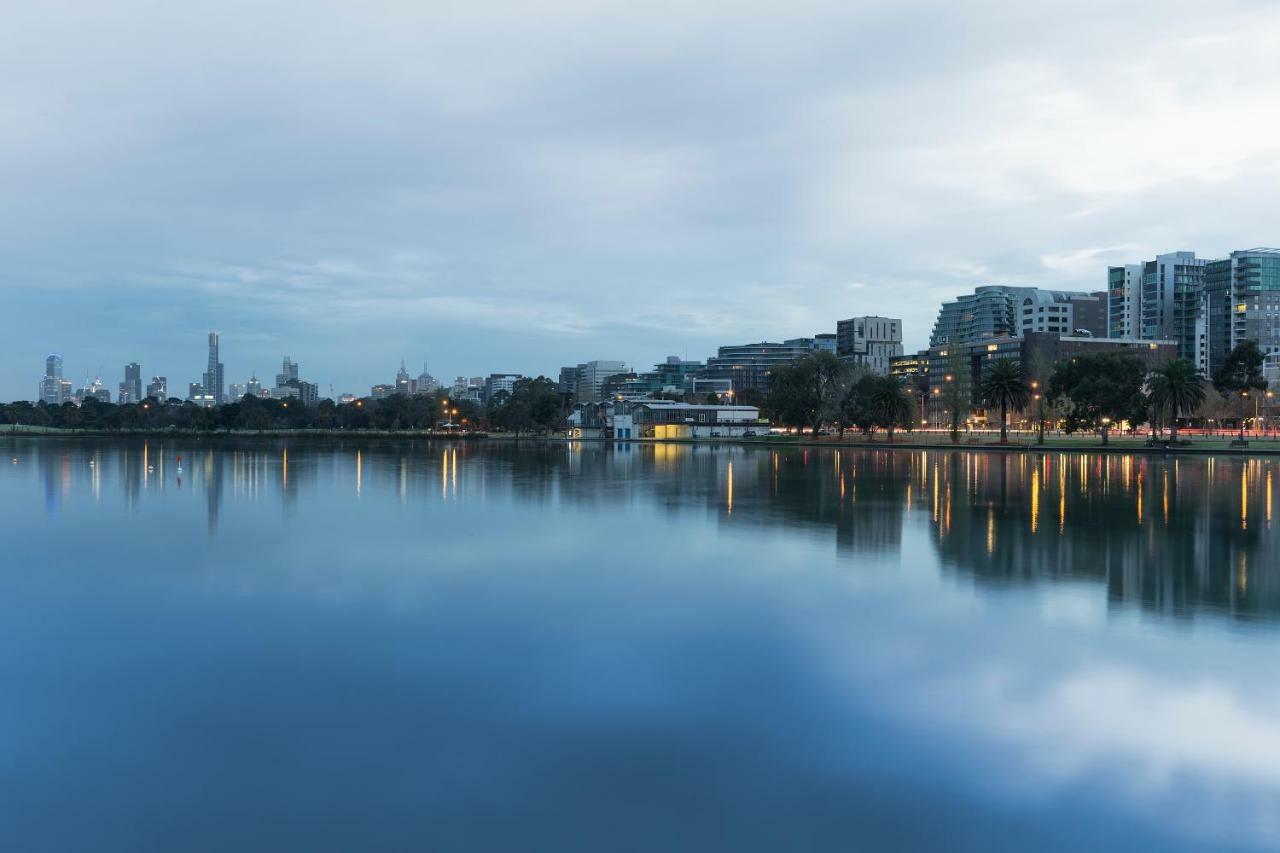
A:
<point x="628" y="419"/>
<point x="670" y="419"/>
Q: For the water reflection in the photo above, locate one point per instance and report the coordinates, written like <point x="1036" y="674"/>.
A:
<point x="495" y="647"/>
<point x="1176" y="536"/>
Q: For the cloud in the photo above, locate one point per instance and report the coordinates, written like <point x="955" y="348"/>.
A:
<point x="517" y="186"/>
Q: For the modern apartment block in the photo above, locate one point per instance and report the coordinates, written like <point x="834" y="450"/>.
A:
<point x="500" y="382"/>
<point x="869" y="341"/>
<point x="1124" y="300"/>
<point x="591" y="376"/>
<point x="1034" y="348"/>
<point x="998" y="310"/>
<point x="748" y="365"/>
<point x="1242" y="303"/>
<point x="1206" y="307"/>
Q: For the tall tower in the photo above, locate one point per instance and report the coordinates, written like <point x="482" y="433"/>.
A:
<point x="51" y="387"/>
<point x="131" y="388"/>
<point x="213" y="383"/>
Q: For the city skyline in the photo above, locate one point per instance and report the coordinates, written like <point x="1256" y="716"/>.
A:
<point x="605" y="181"/>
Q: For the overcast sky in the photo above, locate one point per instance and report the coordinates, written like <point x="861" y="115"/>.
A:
<point x="513" y="187"/>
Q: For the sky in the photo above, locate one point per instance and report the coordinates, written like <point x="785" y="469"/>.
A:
<point x="490" y="187"/>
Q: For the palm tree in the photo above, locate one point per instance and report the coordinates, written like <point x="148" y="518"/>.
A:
<point x="1004" y="385"/>
<point x="1177" y="386"/>
<point x="888" y="403"/>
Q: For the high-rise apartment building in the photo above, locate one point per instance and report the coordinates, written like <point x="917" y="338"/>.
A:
<point x="998" y="310"/>
<point x="591" y="376"/>
<point x="213" y="383"/>
<point x="869" y="341"/>
<point x="1124" y="301"/>
<point x="500" y="382"/>
<point x="1170" y="305"/>
<point x="1242" y="303"/>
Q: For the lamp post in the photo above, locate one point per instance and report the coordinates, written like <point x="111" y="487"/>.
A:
<point x="1035" y="395"/>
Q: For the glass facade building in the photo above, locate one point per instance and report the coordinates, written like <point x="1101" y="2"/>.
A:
<point x="1242" y="303"/>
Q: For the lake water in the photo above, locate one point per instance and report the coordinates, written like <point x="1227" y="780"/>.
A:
<point x="414" y="646"/>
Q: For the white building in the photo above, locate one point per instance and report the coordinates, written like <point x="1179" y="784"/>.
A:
<point x="869" y="341"/>
<point x="591" y="376"/>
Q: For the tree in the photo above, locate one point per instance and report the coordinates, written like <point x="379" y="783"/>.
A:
<point x="1004" y="385"/>
<point x="1178" y="387"/>
<point x="1240" y="374"/>
<point x="1101" y="388"/>
<point x="956" y="395"/>
<point x="889" y="403"/>
<point x="854" y="407"/>
<point x="806" y="391"/>
<point x="1037" y="377"/>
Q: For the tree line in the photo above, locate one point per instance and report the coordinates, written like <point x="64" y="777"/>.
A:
<point x="1092" y="392"/>
<point x="532" y="405"/>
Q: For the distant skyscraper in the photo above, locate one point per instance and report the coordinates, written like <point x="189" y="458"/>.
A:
<point x="53" y="390"/>
<point x="404" y="385"/>
<point x="213" y="377"/>
<point x="131" y="387"/>
<point x="159" y="388"/>
<point x="288" y="372"/>
<point x="237" y="391"/>
<point x="253" y="386"/>
<point x="427" y="383"/>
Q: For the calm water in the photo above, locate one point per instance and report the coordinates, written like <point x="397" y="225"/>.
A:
<point x="426" y="647"/>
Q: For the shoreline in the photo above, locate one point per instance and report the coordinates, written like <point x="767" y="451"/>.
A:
<point x="1271" y="448"/>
